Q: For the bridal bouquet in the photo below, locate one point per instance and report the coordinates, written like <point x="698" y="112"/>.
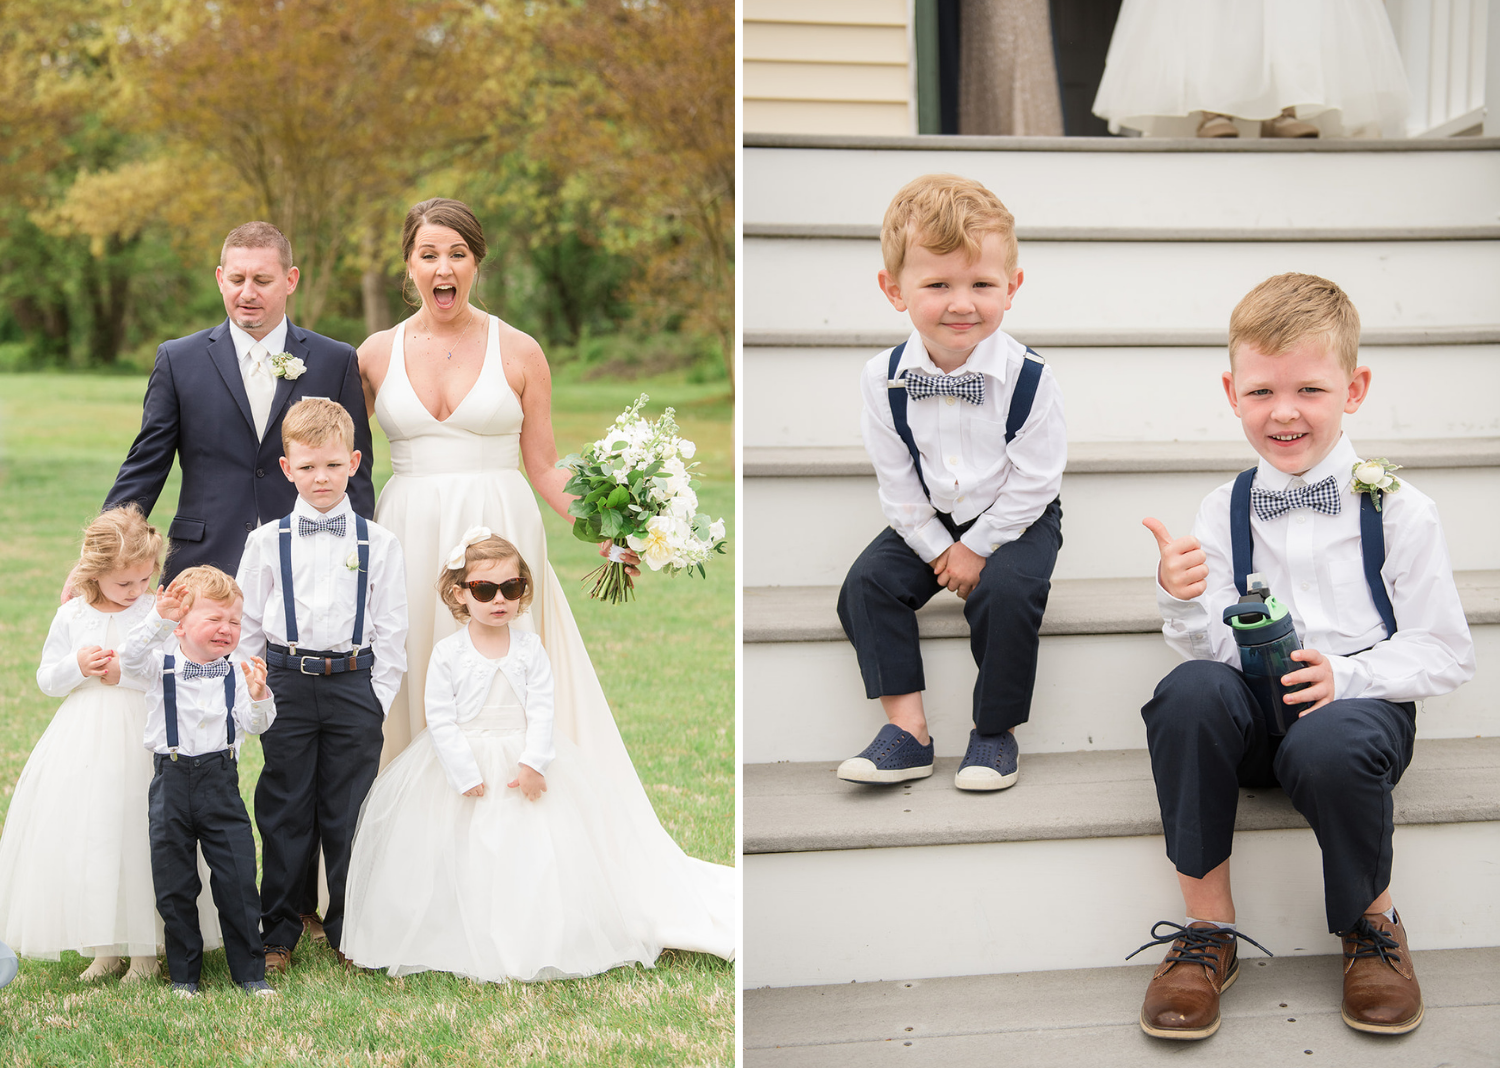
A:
<point x="635" y="488"/>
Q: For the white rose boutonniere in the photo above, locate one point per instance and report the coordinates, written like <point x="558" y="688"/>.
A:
<point x="352" y="563"/>
<point x="1375" y="477"/>
<point x="285" y="365"/>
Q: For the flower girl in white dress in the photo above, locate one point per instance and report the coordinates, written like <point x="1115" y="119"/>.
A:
<point x="476" y="853"/>
<point x="75" y="862"/>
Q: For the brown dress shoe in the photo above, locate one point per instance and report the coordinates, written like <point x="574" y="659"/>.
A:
<point x="278" y="959"/>
<point x="312" y="926"/>
<point x="1380" y="988"/>
<point x="1182" y="1000"/>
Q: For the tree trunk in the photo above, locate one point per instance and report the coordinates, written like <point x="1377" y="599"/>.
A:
<point x="372" y="288"/>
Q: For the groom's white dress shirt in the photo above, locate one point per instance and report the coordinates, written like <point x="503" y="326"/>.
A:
<point x="325" y="591"/>
<point x="255" y="368"/>
<point x="971" y="471"/>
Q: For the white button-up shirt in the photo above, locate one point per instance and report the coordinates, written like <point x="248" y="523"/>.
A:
<point x="970" y="470"/>
<point x="274" y="342"/>
<point x="1314" y="565"/>
<point x="202" y="724"/>
<point x="325" y="588"/>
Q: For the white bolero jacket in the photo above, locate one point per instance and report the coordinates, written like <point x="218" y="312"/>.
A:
<point x="76" y="626"/>
<point x="459" y="680"/>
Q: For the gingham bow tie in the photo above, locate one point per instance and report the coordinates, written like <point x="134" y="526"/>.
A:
<point x="215" y="669"/>
<point x="969" y="386"/>
<point x="1320" y="496"/>
<point x="334" y="524"/>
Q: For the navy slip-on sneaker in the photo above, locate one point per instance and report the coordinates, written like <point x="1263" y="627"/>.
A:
<point x="992" y="762"/>
<point x="185" y="990"/>
<point x="894" y="756"/>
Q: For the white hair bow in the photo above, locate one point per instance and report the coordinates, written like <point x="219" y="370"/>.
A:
<point x="472" y="536"/>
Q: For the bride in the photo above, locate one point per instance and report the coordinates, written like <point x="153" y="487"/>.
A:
<point x="465" y="400"/>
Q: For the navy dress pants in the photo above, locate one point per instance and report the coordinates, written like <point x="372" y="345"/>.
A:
<point x="1338" y="765"/>
<point x="194" y="801"/>
<point x="322" y="754"/>
<point x="888" y="583"/>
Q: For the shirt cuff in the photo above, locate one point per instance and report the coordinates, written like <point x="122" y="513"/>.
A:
<point x="1348" y="680"/>
<point x="536" y="762"/>
<point x="984" y="538"/>
<point x="260" y="714"/>
<point x="930" y="540"/>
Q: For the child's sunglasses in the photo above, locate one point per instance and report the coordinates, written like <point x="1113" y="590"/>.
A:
<point x="484" y="592"/>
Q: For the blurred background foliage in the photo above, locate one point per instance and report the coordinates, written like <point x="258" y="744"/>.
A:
<point x="594" y="139"/>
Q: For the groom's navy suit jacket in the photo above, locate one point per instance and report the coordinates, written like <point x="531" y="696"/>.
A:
<point x="196" y="408"/>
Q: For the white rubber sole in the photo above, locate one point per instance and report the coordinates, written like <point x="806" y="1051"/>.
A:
<point x="863" y="770"/>
<point x="984" y="779"/>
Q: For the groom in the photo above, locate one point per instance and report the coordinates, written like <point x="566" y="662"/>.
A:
<point x="215" y="401"/>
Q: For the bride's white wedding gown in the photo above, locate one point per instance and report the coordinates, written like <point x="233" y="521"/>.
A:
<point x="461" y="472"/>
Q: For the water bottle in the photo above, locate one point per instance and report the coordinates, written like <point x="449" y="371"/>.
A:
<point x="1263" y="630"/>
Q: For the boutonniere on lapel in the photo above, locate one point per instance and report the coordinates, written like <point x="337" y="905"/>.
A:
<point x="1375" y="477"/>
<point x="352" y="563"/>
<point x="285" y="365"/>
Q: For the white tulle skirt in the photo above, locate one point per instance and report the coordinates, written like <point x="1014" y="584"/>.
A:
<point x="1334" y="61"/>
<point x="75" y="855"/>
<point x="497" y="887"/>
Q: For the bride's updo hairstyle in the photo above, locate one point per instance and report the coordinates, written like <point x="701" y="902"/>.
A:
<point x="440" y="211"/>
<point x="493" y="547"/>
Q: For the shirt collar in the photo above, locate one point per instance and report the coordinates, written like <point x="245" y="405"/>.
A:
<point x="274" y="342"/>
<point x="1339" y="462"/>
<point x="990" y="357"/>
<point x="303" y="508"/>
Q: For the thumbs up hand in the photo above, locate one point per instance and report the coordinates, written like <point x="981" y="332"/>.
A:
<point x="1183" y="572"/>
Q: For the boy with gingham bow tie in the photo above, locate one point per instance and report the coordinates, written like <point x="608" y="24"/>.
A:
<point x="197" y="714"/>
<point x="965" y="427"/>
<point x="1366" y="580"/>
<point x="325" y="599"/>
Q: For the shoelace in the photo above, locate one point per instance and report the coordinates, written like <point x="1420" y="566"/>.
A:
<point x="1370" y="941"/>
<point x="1200" y="944"/>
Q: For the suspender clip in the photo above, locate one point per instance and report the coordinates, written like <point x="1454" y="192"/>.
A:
<point x="174" y="752"/>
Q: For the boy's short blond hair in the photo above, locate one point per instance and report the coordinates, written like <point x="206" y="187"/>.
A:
<point x="945" y="213"/>
<point x="1289" y="308"/>
<point x="118" y="538"/>
<point x="314" y="422"/>
<point x="210" y="583"/>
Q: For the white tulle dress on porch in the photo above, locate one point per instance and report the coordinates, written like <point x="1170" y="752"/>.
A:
<point x="464" y="471"/>
<point x="1335" y="61"/>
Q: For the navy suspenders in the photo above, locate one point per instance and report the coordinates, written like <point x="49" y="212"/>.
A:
<point x="169" y="699"/>
<point x="289" y="602"/>
<point x="1371" y="542"/>
<point x="1020" y="404"/>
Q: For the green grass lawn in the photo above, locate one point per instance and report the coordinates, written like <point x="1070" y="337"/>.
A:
<point x="666" y="661"/>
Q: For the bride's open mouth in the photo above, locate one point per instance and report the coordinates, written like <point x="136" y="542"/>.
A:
<point x="445" y="296"/>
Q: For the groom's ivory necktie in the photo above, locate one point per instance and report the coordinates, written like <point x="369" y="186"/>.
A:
<point x="260" y="386"/>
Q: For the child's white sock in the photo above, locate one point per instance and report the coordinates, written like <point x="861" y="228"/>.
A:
<point x="142" y="968"/>
<point x="1227" y="926"/>
<point x="1390" y="913"/>
<point x="102" y="966"/>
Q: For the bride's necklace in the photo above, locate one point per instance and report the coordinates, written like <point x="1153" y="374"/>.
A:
<point x="461" y="336"/>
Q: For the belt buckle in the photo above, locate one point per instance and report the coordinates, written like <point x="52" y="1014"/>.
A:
<point x="302" y="664"/>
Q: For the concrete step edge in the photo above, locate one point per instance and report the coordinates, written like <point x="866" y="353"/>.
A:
<point x="1209" y="234"/>
<point x="956" y="143"/>
<point x="1075" y="606"/>
<point x="1126" y="457"/>
<point x="1044" y="339"/>
<point x="804" y="807"/>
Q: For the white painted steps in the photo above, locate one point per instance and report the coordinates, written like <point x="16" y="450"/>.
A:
<point x="1101" y="657"/>
<point x="1028" y="878"/>
<point x="1079" y="182"/>
<point x="1134" y="285"/>
<point x="1281" y="1013"/>
<point x="1107" y="489"/>
<point x="1132" y="387"/>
